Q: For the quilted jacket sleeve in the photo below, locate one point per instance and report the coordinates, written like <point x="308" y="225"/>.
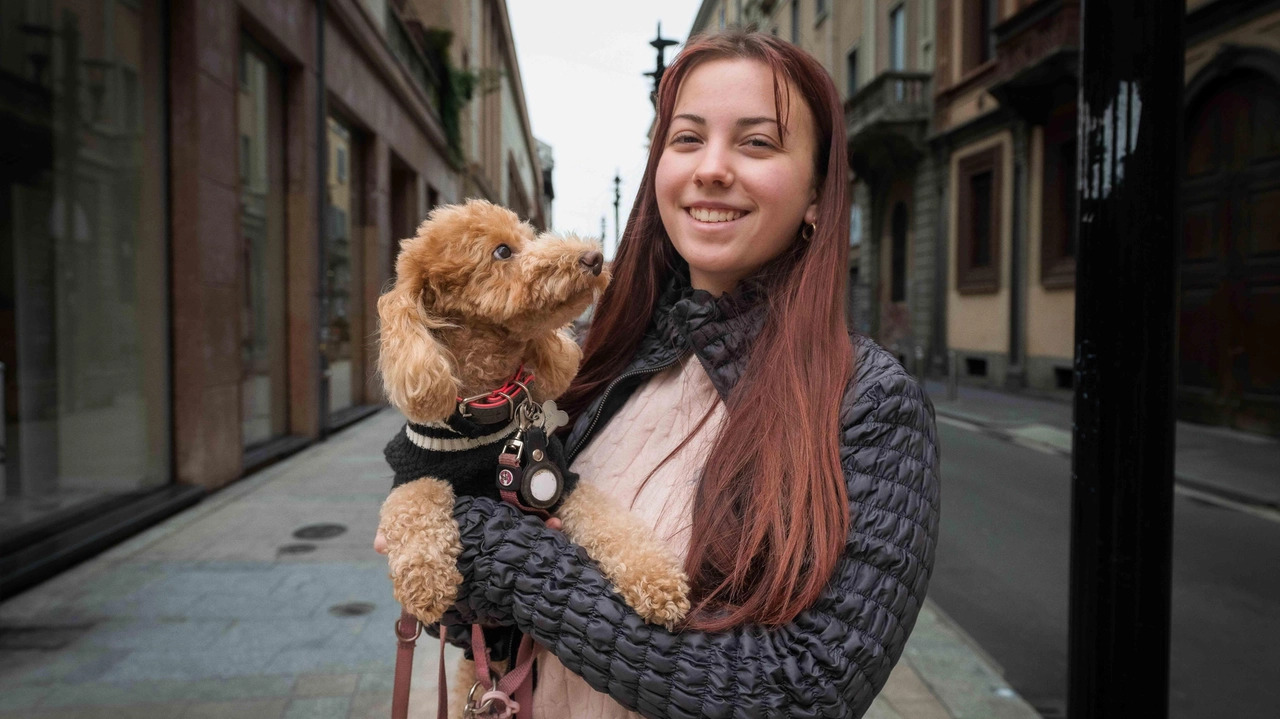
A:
<point x="830" y="661"/>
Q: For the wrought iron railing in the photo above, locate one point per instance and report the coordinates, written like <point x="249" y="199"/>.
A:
<point x="892" y="97"/>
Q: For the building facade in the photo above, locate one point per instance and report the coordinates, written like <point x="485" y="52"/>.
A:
<point x="200" y="202"/>
<point x="1006" y="122"/>
<point x="961" y="122"/>
<point x="880" y="54"/>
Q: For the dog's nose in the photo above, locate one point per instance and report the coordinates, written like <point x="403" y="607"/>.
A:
<point x="592" y="262"/>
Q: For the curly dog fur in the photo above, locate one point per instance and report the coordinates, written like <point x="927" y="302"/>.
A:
<point x="460" y="320"/>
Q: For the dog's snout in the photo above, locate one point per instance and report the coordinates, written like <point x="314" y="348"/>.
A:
<point x="592" y="262"/>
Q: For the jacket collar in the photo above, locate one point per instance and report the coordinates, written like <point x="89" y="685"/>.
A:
<point x="719" y="330"/>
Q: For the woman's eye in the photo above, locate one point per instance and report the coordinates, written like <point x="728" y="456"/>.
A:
<point x="681" y="139"/>
<point x="759" y="142"/>
<point x="502" y="252"/>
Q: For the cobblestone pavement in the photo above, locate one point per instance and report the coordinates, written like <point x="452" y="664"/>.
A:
<point x="221" y="612"/>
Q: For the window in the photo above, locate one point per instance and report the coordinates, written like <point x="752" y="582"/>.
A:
<point x="980" y="18"/>
<point x="795" y="22"/>
<point x="851" y="72"/>
<point x="898" y="260"/>
<point x="978" y="222"/>
<point x="819" y="10"/>
<point x="344" y="268"/>
<point x="855" y="222"/>
<point x="1058" y="217"/>
<point x="264" y="370"/>
<point x="898" y="38"/>
<point x="722" y="11"/>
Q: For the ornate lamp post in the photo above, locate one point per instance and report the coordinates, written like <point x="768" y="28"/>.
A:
<point x="660" y="44"/>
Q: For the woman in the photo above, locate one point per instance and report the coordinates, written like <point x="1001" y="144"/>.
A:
<point x="793" y="465"/>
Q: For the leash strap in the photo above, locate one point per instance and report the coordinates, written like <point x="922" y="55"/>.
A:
<point x="408" y="629"/>
<point x="512" y="697"/>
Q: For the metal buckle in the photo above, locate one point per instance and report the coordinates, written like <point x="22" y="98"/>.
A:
<point x="417" y="632"/>
<point x="471" y="710"/>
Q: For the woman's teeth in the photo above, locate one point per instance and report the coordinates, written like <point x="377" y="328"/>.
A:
<point x="705" y="215"/>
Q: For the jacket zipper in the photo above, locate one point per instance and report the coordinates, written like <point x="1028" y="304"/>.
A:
<point x="582" y="442"/>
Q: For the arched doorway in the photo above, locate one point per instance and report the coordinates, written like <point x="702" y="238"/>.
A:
<point x="1229" y="357"/>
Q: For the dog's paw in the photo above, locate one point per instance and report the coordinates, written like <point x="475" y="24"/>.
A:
<point x="648" y="577"/>
<point x="422" y="547"/>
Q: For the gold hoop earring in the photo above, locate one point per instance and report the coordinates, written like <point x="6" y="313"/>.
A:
<point x="807" y="231"/>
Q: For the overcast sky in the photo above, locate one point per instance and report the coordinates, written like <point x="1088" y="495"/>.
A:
<point x="583" y="65"/>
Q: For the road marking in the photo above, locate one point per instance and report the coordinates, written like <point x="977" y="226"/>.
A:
<point x="1260" y="512"/>
<point x="959" y="423"/>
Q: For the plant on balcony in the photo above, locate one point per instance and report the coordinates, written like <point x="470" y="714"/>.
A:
<point x="457" y="85"/>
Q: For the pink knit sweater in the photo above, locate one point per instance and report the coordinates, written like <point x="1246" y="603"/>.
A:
<point x="649" y="427"/>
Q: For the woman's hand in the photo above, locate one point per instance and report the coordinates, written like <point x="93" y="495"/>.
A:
<point x="380" y="543"/>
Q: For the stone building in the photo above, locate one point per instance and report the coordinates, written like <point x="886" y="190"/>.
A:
<point x="880" y="54"/>
<point x="1229" y="360"/>
<point x="200" y="202"/>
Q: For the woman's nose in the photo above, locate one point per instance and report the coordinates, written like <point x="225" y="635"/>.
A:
<point x="714" y="167"/>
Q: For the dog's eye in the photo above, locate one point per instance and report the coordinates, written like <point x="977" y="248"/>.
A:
<point x="502" y="252"/>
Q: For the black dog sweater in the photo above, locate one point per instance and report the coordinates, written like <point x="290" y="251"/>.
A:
<point x="460" y="452"/>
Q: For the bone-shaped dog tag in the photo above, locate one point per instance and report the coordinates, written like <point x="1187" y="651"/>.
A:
<point x="552" y="417"/>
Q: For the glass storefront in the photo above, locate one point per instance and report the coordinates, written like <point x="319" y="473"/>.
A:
<point x="263" y="358"/>
<point x="83" y="278"/>
<point x="343" y="340"/>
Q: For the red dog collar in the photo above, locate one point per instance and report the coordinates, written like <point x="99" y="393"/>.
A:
<point x="500" y="404"/>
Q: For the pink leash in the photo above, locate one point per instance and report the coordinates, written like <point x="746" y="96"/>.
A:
<point x="512" y="696"/>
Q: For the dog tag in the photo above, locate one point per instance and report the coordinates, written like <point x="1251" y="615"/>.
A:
<point x="553" y="417"/>
<point x="541" y="483"/>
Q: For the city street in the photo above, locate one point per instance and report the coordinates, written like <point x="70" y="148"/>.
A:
<point x="1002" y="575"/>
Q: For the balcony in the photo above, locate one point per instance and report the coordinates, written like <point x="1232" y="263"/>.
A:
<point x="886" y="121"/>
<point x="1037" y="58"/>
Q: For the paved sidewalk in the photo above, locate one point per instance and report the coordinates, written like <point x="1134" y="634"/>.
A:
<point x="1229" y="465"/>
<point x="221" y="612"/>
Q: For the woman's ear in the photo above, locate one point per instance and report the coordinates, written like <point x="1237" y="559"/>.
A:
<point x="417" y="372"/>
<point x="811" y="212"/>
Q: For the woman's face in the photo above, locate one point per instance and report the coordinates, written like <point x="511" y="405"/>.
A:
<point x="731" y="196"/>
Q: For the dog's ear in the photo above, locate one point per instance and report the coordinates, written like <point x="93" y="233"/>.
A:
<point x="417" y="372"/>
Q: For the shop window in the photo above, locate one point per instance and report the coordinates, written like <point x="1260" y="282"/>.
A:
<point x="263" y="325"/>
<point x="898" y="261"/>
<point x="1058" y="227"/>
<point x="343" y="344"/>
<point x="978" y="224"/>
<point x="84" y="290"/>
<point x="979" y="43"/>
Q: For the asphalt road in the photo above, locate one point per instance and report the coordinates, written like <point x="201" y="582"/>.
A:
<point x="1001" y="574"/>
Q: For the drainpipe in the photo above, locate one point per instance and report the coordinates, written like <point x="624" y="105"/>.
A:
<point x="322" y="224"/>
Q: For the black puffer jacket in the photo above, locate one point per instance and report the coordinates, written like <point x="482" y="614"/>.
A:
<point x="834" y="657"/>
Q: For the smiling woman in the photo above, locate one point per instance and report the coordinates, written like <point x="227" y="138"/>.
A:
<point x="791" y="464"/>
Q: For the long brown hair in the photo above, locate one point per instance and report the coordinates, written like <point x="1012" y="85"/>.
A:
<point x="770" y="516"/>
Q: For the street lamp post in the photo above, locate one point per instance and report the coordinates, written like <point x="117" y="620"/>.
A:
<point x="617" y="203"/>
<point x="660" y="44"/>
<point x="1131" y="73"/>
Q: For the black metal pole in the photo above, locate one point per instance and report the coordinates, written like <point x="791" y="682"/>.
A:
<point x="1122" y="467"/>
<point x="617" y="203"/>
